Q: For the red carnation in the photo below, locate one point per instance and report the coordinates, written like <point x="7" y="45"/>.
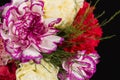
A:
<point x="90" y="38"/>
<point x="7" y="72"/>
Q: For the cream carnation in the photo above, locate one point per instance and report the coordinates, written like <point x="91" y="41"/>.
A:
<point x="65" y="9"/>
<point x="32" y="71"/>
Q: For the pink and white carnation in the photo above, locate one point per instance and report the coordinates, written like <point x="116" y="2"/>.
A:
<point x="80" y="67"/>
<point x="25" y="31"/>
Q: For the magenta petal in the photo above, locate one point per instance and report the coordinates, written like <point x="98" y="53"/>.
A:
<point x="17" y="2"/>
<point x="80" y="67"/>
<point x="52" y="21"/>
<point x="13" y="51"/>
<point x="31" y="54"/>
<point x="49" y="43"/>
<point x="21" y="8"/>
<point x="37" y="7"/>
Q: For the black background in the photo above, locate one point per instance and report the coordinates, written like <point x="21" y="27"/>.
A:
<point x="109" y="50"/>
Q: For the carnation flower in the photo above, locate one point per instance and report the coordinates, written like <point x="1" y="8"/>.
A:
<point x="7" y="72"/>
<point x="81" y="67"/>
<point x="65" y="9"/>
<point x="32" y="71"/>
<point x="38" y="39"/>
<point x="91" y="31"/>
<point x="26" y="33"/>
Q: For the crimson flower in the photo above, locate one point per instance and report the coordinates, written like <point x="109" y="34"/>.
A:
<point x="92" y="31"/>
<point x="8" y="72"/>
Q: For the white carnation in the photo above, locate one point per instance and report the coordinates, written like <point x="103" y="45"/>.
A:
<point x="32" y="71"/>
<point x="65" y="9"/>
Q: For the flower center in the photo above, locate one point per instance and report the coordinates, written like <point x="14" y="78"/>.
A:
<point x="30" y="25"/>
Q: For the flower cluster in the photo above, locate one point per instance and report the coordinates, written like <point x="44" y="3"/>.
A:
<point x="48" y="40"/>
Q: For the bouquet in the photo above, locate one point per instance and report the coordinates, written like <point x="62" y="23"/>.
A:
<point x="48" y="40"/>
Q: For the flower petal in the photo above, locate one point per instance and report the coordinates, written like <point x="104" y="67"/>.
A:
<point x="21" y="8"/>
<point x="52" y="21"/>
<point x="12" y="50"/>
<point x="31" y="54"/>
<point x="50" y="32"/>
<point x="4" y="35"/>
<point x="11" y="15"/>
<point x="17" y="2"/>
<point x="95" y="57"/>
<point x="37" y="7"/>
<point x="48" y="43"/>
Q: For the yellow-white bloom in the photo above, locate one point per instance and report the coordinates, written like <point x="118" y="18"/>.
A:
<point x="65" y="9"/>
<point x="32" y="71"/>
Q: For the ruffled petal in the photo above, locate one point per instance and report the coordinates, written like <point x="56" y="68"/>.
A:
<point x="12" y="49"/>
<point x="51" y="32"/>
<point x="21" y="8"/>
<point x="95" y="57"/>
<point x="48" y="43"/>
<point x="52" y="21"/>
<point x="4" y="35"/>
<point x="17" y="2"/>
<point x="37" y="7"/>
<point x="31" y="54"/>
<point x="13" y="3"/>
